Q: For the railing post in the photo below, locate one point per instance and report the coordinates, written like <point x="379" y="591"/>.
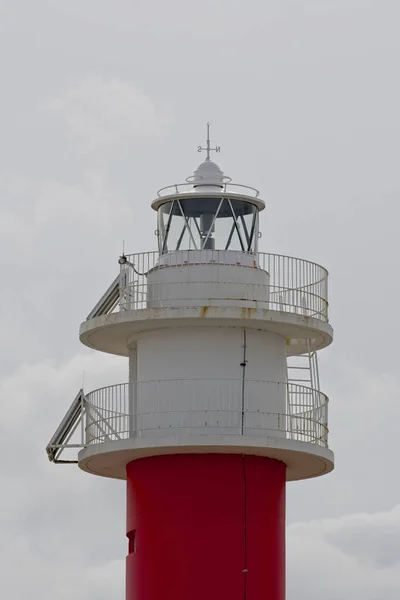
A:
<point x="132" y="404"/>
<point x="288" y="425"/>
<point x="83" y="441"/>
<point x="326" y="426"/>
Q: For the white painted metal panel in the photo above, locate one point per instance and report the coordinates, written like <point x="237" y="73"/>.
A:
<point x="209" y="355"/>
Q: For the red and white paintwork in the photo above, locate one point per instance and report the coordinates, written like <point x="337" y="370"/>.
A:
<point x="209" y="428"/>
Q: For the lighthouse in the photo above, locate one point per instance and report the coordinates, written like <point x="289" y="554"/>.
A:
<point x="222" y="405"/>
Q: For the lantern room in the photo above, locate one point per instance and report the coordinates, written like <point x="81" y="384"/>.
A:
<point x="208" y="212"/>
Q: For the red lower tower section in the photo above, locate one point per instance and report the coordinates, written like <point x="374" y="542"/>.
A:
<point x="206" y="527"/>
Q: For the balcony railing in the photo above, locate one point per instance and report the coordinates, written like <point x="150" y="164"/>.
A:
<point x="295" y="285"/>
<point x="175" y="408"/>
<point x="226" y="188"/>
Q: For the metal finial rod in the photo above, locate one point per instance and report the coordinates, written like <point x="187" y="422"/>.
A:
<point x="208" y="148"/>
<point x="208" y="140"/>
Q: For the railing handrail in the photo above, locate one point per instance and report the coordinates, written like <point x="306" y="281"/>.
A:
<point x="212" y="429"/>
<point x="272" y="289"/>
<point x="306" y="388"/>
<point x="255" y="254"/>
<point x="212" y="410"/>
<point x="189" y="184"/>
<point x="269" y="280"/>
<point x="301" y="288"/>
<point x="112" y="412"/>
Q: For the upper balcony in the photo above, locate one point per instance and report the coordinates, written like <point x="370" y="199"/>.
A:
<point x="283" y="294"/>
<point x="293" y="285"/>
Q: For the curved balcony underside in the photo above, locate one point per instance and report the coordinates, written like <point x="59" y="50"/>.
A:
<point x="114" y="332"/>
<point x="303" y="460"/>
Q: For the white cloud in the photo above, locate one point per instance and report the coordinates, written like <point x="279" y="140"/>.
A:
<point x="37" y="205"/>
<point x="363" y="417"/>
<point x="36" y="576"/>
<point x="56" y="238"/>
<point x="65" y="527"/>
<point x="103" y="113"/>
<point x="108" y="581"/>
<point x="355" y="556"/>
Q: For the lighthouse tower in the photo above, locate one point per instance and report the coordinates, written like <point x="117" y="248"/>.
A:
<point x="223" y="404"/>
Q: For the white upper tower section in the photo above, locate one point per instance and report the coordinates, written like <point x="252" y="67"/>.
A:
<point x="221" y="341"/>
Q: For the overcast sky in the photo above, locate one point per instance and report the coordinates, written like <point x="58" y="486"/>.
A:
<point x="101" y="104"/>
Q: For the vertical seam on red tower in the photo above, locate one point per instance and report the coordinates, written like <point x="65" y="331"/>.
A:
<point x="245" y="526"/>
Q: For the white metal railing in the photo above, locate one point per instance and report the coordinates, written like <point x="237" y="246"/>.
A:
<point x="226" y="188"/>
<point x="206" y="407"/>
<point x="295" y="285"/>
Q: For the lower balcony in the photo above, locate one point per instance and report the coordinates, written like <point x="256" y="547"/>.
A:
<point x="129" y="421"/>
<point x="182" y="408"/>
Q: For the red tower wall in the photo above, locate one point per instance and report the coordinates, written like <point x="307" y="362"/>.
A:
<point x="206" y="526"/>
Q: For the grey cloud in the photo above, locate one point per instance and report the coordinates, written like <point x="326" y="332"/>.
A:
<point x="103" y="113"/>
<point x="303" y="99"/>
<point x="378" y="542"/>
<point x="348" y="556"/>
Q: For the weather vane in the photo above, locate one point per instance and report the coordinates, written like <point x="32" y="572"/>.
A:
<point x="208" y="148"/>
